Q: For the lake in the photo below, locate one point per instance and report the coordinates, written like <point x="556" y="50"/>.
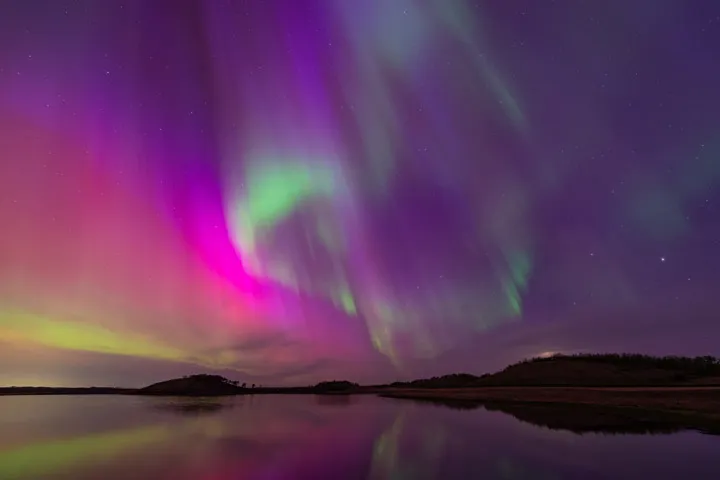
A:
<point x="268" y="437"/>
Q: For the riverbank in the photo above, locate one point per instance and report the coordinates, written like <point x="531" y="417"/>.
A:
<point x="689" y="400"/>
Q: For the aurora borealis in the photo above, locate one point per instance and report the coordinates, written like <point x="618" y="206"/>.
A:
<point x="287" y="191"/>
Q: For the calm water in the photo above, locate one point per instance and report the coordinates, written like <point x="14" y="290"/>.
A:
<point x="307" y="437"/>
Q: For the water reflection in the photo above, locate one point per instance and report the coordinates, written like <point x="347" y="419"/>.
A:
<point x="44" y="458"/>
<point x="336" y="399"/>
<point x="193" y="406"/>
<point x="581" y="419"/>
<point x="305" y="437"/>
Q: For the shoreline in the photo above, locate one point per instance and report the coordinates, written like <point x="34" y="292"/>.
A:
<point x="608" y="410"/>
<point x="701" y="400"/>
<point x="704" y="400"/>
<point x="65" y="391"/>
<point x="574" y="408"/>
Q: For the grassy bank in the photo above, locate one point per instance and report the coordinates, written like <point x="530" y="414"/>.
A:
<point x="689" y="400"/>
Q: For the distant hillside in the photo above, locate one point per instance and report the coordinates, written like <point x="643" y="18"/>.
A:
<point x="454" y="380"/>
<point x="66" y="391"/>
<point x="586" y="370"/>
<point x="609" y="370"/>
<point x="589" y="370"/>
<point x="335" y="386"/>
<point x="196" y="385"/>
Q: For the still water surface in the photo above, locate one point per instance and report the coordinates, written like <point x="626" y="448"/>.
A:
<point x="315" y="438"/>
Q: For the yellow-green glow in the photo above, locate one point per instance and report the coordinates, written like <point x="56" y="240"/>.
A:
<point x="385" y="462"/>
<point x="379" y="325"/>
<point x="26" y="328"/>
<point x="30" y="461"/>
<point x="80" y="336"/>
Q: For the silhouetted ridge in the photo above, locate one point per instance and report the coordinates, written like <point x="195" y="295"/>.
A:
<point x="212" y="385"/>
<point x="609" y="370"/>
<point x="194" y="385"/>
<point x="454" y="380"/>
<point x="335" y="386"/>
<point x="583" y="370"/>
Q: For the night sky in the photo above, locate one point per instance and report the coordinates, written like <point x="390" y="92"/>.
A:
<point x="285" y="191"/>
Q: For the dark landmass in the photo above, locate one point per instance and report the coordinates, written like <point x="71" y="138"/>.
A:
<point x="197" y="386"/>
<point x="675" y="392"/>
<point x="66" y="391"/>
<point x="215" y="385"/>
<point x="194" y="385"/>
<point x="338" y="386"/>
<point x="595" y="370"/>
<point x="677" y="385"/>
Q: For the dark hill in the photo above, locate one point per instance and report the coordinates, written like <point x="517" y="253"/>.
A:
<point x="617" y="370"/>
<point x="213" y="385"/>
<point x="195" y="385"/>
<point x="335" y="386"/>
<point x="454" y="380"/>
<point x="608" y="370"/>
